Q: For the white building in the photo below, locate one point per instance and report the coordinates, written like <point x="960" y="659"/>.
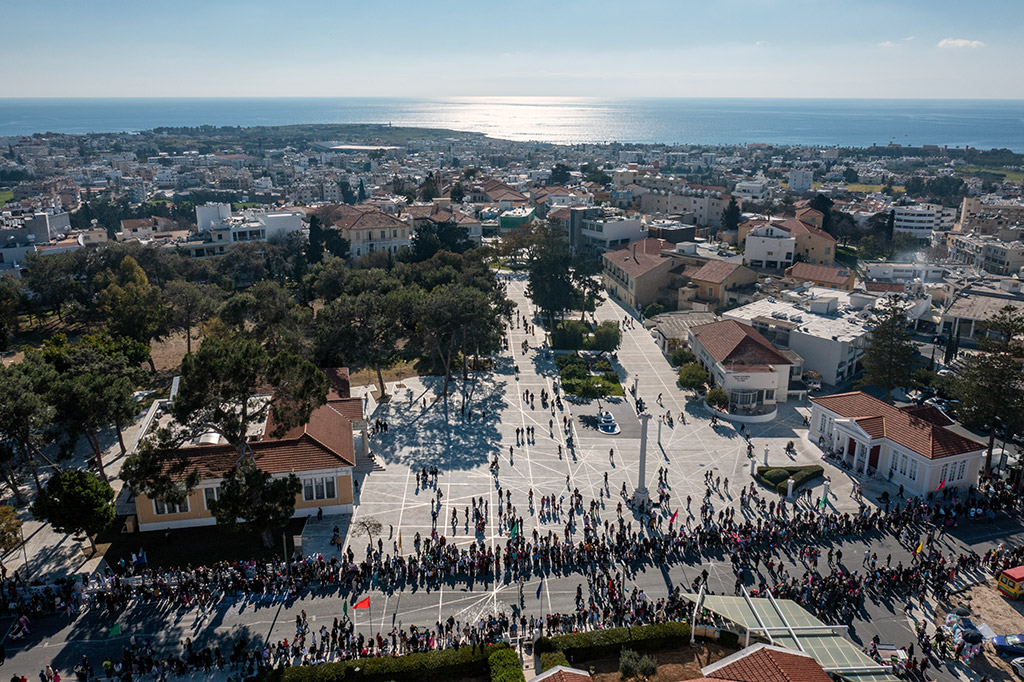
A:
<point x="921" y="220"/>
<point x="903" y="272"/>
<point x="769" y="247"/>
<point x="830" y="338"/>
<point x="910" y="446"/>
<point x="800" y="180"/>
<point x="598" y="235"/>
<point x="757" y="191"/>
<point x="742" y="363"/>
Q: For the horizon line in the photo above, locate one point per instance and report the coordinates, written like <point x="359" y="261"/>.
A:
<point x="509" y="97"/>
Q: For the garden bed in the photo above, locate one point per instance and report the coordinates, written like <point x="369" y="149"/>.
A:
<point x="775" y="478"/>
<point x="588" y="377"/>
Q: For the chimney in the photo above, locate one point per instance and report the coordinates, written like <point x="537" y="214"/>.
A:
<point x="634" y="250"/>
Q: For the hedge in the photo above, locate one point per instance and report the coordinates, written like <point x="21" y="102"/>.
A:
<point x="603" y="643"/>
<point x="549" y="659"/>
<point x="505" y="667"/>
<point x="430" y="665"/>
<point x="800" y="475"/>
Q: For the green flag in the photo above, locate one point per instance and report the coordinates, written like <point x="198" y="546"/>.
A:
<point x="115" y="630"/>
<point x="515" y="531"/>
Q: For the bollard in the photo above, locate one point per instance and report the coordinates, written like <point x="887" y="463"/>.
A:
<point x="789" y="489"/>
<point x="753" y="466"/>
<point x="766" y="454"/>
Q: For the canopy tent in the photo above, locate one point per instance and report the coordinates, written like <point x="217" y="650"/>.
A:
<point x="784" y="623"/>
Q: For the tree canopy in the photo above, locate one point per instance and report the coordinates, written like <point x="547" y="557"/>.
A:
<point x="889" y="354"/>
<point x="76" y="501"/>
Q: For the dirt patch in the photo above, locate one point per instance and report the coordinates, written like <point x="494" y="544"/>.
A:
<point x="368" y="375"/>
<point x="673" y="664"/>
<point x="168" y="352"/>
<point x="1004" y="616"/>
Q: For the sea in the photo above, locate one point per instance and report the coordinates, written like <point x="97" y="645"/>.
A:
<point x="983" y="124"/>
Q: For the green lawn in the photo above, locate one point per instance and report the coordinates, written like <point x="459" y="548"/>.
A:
<point x="867" y="189"/>
<point x="1009" y="174"/>
<point x="847" y="255"/>
<point x="5" y="196"/>
<point x="241" y="205"/>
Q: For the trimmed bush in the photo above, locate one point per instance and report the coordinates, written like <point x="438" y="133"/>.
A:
<point x="629" y="664"/>
<point x="718" y="398"/>
<point x="505" y="667"/>
<point x="778" y="477"/>
<point x="680" y="356"/>
<point x="775" y="476"/>
<point x="653" y="309"/>
<point x="607" y="336"/>
<point x="549" y="659"/>
<point x="597" y="643"/>
<point x="430" y="665"/>
<point x="603" y="366"/>
<point x="569" y="335"/>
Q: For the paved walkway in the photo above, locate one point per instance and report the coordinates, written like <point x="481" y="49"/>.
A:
<point x="427" y="431"/>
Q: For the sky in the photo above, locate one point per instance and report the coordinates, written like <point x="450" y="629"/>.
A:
<point x="451" y="48"/>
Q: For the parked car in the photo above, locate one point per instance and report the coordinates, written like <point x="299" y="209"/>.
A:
<point x="1018" y="667"/>
<point x="1009" y="645"/>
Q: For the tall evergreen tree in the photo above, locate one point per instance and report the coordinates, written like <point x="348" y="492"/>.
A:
<point x="990" y="386"/>
<point x="889" y="355"/>
<point x="731" y="216"/>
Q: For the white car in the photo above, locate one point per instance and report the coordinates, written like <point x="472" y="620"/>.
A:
<point x="1018" y="666"/>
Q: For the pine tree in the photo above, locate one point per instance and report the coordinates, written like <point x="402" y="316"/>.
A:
<point x="888" y="357"/>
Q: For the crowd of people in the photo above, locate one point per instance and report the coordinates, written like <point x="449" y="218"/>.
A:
<point x="774" y="547"/>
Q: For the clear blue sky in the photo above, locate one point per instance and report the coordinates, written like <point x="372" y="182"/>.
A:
<point x="651" y="48"/>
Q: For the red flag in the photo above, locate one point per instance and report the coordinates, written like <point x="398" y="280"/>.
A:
<point x="365" y="604"/>
<point x="942" y="484"/>
<point x="673" y="519"/>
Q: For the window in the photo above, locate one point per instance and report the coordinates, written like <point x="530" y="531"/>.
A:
<point x="210" y="495"/>
<point x="903" y="465"/>
<point x="769" y="395"/>
<point x="913" y="470"/>
<point x="962" y="471"/>
<point x="383" y="234"/>
<point x="944" y="473"/>
<point x="162" y="508"/>
<point x="321" y="488"/>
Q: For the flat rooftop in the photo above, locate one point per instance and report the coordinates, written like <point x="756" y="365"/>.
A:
<point x="844" y="326"/>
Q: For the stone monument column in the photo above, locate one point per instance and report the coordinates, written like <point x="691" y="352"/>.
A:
<point x="641" y="494"/>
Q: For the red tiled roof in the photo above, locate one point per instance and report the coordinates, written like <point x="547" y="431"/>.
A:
<point x="819" y="273"/>
<point x="715" y="271"/>
<point x="324" y="442"/>
<point x="638" y="258"/>
<point x="768" y="664"/>
<point x="363" y="217"/>
<point x="797" y="227"/>
<point x="929" y="413"/>
<point x="903" y="427"/>
<point x="738" y="346"/>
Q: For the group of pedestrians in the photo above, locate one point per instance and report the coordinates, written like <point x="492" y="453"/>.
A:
<point x="609" y="549"/>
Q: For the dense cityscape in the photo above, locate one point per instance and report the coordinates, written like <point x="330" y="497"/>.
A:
<point x="262" y="370"/>
<point x="545" y="342"/>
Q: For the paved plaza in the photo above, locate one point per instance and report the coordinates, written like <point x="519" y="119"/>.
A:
<point x="427" y="431"/>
